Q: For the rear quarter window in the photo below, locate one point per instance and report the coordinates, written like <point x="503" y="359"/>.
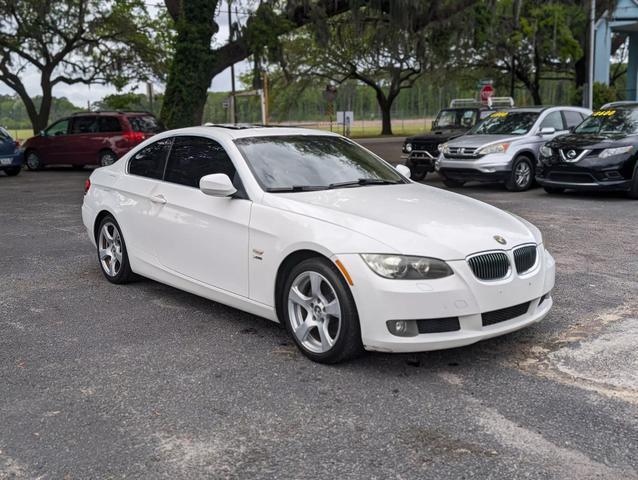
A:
<point x="145" y="124"/>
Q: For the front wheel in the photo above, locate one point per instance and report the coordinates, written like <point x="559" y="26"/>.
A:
<point x="417" y="172"/>
<point x="320" y="313"/>
<point x="13" y="171"/>
<point x="633" y="193"/>
<point x="521" y="177"/>
<point x="111" y="252"/>
<point x="33" y="161"/>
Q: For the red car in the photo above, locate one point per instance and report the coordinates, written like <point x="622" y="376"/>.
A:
<point x="92" y="138"/>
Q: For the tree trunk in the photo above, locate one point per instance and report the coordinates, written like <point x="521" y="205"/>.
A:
<point x="190" y="74"/>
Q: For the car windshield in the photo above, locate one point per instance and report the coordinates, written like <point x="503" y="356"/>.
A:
<point x="622" y="121"/>
<point x="455" y="118"/>
<point x="313" y="162"/>
<point x="4" y="135"/>
<point x="506" y="123"/>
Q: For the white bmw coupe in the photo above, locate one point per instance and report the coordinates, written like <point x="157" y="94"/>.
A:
<point x="310" y="229"/>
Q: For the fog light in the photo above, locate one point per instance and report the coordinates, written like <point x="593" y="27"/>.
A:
<point x="403" y="328"/>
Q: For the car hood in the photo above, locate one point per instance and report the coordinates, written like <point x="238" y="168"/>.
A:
<point x="412" y="219"/>
<point x="480" y="140"/>
<point x="576" y="140"/>
<point x="440" y="135"/>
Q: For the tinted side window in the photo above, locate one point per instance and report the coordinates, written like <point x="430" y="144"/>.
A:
<point x="572" y="118"/>
<point x="151" y="160"/>
<point x="193" y="157"/>
<point x="109" y="124"/>
<point x="84" y="124"/>
<point x="555" y="120"/>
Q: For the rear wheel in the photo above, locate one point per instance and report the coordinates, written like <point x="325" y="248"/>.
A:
<point x="33" y="161"/>
<point x="448" y="182"/>
<point x="553" y="190"/>
<point x="111" y="252"/>
<point x="107" y="158"/>
<point x="522" y="175"/>
<point x="13" y="171"/>
<point x="320" y="313"/>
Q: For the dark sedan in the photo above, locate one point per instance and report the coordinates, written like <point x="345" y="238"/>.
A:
<point x="10" y="154"/>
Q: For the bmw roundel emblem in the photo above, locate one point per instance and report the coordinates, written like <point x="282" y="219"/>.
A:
<point x="571" y="154"/>
<point x="500" y="239"/>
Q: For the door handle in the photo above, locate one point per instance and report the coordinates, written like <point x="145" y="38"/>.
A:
<point x="158" y="199"/>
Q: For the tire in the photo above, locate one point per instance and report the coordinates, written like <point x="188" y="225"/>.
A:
<point x="553" y="190"/>
<point x="111" y="252"/>
<point x="13" y="171"/>
<point x="417" y="172"/>
<point x="319" y="312"/>
<point x="107" y="158"/>
<point x="633" y="193"/>
<point x="33" y="161"/>
<point x="521" y="177"/>
<point x="448" y="182"/>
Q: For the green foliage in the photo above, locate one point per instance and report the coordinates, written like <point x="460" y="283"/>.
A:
<point x="602" y="94"/>
<point x="129" y="101"/>
<point x="13" y="115"/>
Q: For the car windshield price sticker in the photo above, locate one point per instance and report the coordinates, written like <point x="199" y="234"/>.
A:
<point x="604" y="113"/>
<point x="499" y="114"/>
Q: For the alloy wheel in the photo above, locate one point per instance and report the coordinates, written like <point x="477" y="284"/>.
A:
<point x="110" y="249"/>
<point x="522" y="174"/>
<point x="33" y="162"/>
<point x="314" y="312"/>
<point x="107" y="159"/>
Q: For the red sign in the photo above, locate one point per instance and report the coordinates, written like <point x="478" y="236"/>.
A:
<point x="486" y="92"/>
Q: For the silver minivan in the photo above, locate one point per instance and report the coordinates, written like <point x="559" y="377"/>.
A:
<point x="504" y="147"/>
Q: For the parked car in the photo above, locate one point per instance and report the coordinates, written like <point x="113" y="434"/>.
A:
<point x="504" y="147"/>
<point x="10" y="154"/>
<point x="421" y="151"/>
<point x="601" y="154"/>
<point x="92" y="138"/>
<point x="312" y="230"/>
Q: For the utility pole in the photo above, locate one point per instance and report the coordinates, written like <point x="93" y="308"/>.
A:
<point x="517" y="15"/>
<point x="590" y="73"/>
<point x="233" y="109"/>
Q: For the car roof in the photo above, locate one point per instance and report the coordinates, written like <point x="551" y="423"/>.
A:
<point x="233" y="132"/>
<point x="106" y="112"/>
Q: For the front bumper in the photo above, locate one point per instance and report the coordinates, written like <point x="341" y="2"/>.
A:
<point x="11" y="160"/>
<point x="492" y="167"/>
<point x="420" y="159"/>
<point x="460" y="295"/>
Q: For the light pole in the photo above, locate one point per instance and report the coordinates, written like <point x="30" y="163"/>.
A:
<point x="590" y="73"/>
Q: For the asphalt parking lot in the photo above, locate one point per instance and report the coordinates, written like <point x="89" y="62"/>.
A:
<point x="145" y="381"/>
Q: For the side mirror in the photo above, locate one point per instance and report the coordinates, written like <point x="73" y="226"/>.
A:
<point x="572" y="128"/>
<point x="217" y="185"/>
<point x="547" y="131"/>
<point x="403" y="170"/>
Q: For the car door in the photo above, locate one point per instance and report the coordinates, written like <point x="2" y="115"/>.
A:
<point x="134" y="199"/>
<point x="200" y="236"/>
<point x="84" y="140"/>
<point x="50" y="145"/>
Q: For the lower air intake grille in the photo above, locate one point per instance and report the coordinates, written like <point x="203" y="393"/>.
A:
<point x="504" y="314"/>
<point x="490" y="266"/>
<point x="438" y="325"/>
<point x="525" y="258"/>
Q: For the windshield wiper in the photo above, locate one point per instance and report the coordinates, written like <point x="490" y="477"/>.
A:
<point x="296" y="188"/>
<point x="363" y="181"/>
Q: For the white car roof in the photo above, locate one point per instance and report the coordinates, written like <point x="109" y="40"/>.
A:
<point x="231" y="133"/>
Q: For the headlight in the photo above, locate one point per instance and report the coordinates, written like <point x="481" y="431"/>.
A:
<point x="408" y="147"/>
<point x="610" y="152"/>
<point x="407" y="268"/>
<point x="496" y="148"/>
<point x="444" y="148"/>
<point x="546" y="151"/>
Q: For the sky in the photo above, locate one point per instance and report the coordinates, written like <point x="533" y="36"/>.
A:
<point x="82" y="94"/>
